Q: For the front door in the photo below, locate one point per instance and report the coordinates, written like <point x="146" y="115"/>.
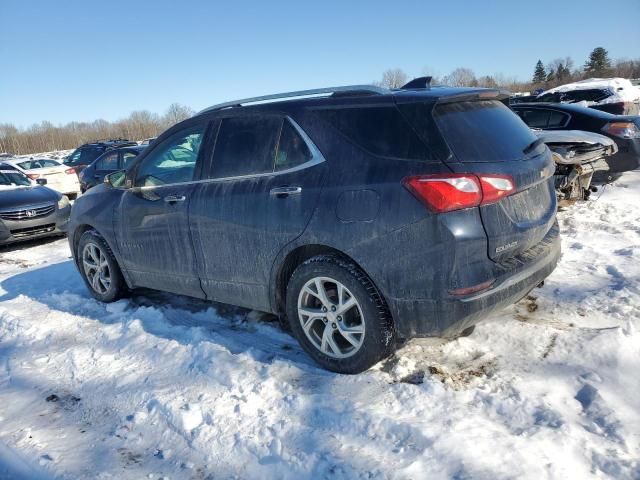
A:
<point x="152" y="219"/>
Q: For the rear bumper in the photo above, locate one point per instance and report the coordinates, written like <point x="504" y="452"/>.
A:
<point x="449" y="315"/>
<point x="12" y="231"/>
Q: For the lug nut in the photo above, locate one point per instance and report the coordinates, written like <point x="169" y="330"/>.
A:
<point x="339" y="318"/>
<point x="325" y="320"/>
<point x="333" y="308"/>
<point x="334" y="325"/>
<point x="324" y="309"/>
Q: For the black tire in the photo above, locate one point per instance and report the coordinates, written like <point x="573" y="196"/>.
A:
<point x="117" y="287"/>
<point x="379" y="333"/>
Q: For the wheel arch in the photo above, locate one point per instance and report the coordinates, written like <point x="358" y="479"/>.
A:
<point x="295" y="257"/>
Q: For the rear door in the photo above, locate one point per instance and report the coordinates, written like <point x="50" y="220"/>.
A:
<point x="264" y="184"/>
<point x="152" y="218"/>
<point x="486" y="137"/>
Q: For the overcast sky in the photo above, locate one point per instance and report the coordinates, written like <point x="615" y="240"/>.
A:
<point x="82" y="60"/>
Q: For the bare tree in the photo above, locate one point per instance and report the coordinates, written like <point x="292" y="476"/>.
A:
<point x="461" y="77"/>
<point x="176" y="113"/>
<point x="393" y="78"/>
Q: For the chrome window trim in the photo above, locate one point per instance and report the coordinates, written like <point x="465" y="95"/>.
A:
<point x="316" y="159"/>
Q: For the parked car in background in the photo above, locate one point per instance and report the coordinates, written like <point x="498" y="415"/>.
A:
<point x="59" y="177"/>
<point x="109" y="162"/>
<point x="362" y="215"/>
<point x="624" y="130"/>
<point x="87" y="153"/>
<point x="613" y="95"/>
<point x="29" y="211"/>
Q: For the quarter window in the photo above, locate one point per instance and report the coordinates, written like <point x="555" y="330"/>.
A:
<point x="173" y="160"/>
<point x="246" y="146"/>
<point x="381" y="131"/>
<point x="292" y="150"/>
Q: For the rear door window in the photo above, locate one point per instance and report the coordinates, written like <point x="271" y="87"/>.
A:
<point x="535" y="118"/>
<point x="246" y="146"/>
<point x="108" y="162"/>
<point x="557" y="119"/>
<point x="127" y="158"/>
<point x="381" y="131"/>
<point x="483" y="131"/>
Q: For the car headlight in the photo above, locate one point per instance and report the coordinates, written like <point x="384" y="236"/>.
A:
<point x="63" y="202"/>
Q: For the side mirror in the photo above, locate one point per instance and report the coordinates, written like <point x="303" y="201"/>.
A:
<point x="116" y="179"/>
<point x="41" y="181"/>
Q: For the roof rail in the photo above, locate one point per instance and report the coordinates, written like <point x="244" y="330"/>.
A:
<point x="370" y="89"/>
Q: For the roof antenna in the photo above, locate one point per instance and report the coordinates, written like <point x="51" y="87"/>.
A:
<point x="420" y="82"/>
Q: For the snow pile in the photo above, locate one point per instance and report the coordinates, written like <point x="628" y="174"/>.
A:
<point x="622" y="89"/>
<point x="163" y="386"/>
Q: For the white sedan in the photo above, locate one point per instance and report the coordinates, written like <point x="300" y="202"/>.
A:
<point x="59" y="177"/>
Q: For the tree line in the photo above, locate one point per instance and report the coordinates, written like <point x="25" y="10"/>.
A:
<point x="45" y="136"/>
<point x="555" y="72"/>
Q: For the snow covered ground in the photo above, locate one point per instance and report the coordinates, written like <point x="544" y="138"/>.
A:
<point x="161" y="386"/>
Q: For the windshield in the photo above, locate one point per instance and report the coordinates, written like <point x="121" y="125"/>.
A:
<point x="13" y="177"/>
<point x="83" y="156"/>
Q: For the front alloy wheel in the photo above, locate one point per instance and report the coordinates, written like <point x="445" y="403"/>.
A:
<point x="96" y="268"/>
<point x="331" y="317"/>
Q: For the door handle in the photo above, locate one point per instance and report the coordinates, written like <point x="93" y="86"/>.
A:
<point x="174" y="198"/>
<point x="282" y="192"/>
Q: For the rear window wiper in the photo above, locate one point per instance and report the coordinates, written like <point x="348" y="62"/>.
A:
<point x="532" y="146"/>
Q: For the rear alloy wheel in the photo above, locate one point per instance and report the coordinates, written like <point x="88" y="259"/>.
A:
<point x="338" y="315"/>
<point x="331" y="317"/>
<point x="99" y="268"/>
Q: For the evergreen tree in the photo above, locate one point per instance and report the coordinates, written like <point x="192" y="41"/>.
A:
<point x="598" y="64"/>
<point x="539" y="74"/>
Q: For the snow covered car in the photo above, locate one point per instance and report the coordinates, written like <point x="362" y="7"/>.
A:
<point x="29" y="211"/>
<point x="578" y="156"/>
<point x="614" y="95"/>
<point x="624" y="130"/>
<point x="59" y="178"/>
<point x="361" y="215"/>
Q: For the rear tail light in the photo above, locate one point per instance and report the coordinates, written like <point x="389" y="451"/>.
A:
<point x="622" y="129"/>
<point x="33" y="176"/>
<point x="455" y="191"/>
<point x="69" y="171"/>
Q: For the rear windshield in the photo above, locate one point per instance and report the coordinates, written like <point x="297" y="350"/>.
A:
<point x="589" y="95"/>
<point x="83" y="156"/>
<point x="35" y="164"/>
<point x="484" y="131"/>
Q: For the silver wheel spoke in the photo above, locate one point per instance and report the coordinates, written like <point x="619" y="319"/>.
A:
<point x="322" y="293"/>
<point x="328" y="342"/>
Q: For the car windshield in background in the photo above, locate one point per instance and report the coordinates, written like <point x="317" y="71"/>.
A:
<point x="35" y="164"/>
<point x="484" y="131"/>
<point x="13" y="177"/>
<point x="84" y="156"/>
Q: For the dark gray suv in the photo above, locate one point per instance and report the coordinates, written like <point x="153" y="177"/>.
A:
<point x="361" y="215"/>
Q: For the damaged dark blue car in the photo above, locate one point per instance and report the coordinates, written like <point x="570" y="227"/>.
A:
<point x="362" y="216"/>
